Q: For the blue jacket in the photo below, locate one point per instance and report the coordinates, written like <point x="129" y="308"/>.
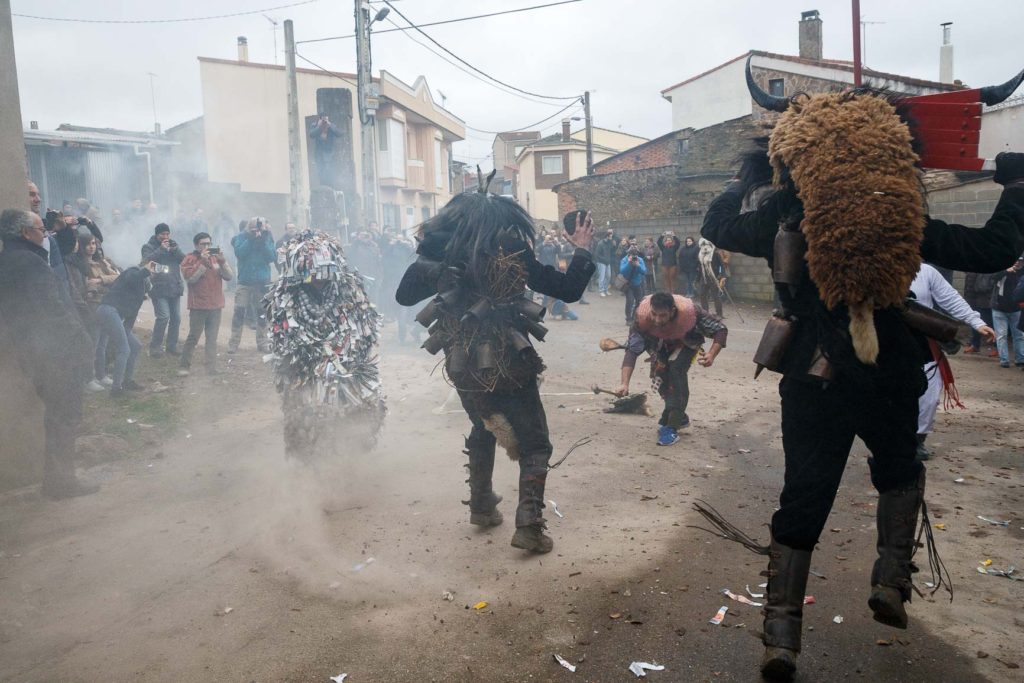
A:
<point x="634" y="274"/>
<point x="254" y="254"/>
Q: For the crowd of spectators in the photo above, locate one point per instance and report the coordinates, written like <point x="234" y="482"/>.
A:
<point x="637" y="269"/>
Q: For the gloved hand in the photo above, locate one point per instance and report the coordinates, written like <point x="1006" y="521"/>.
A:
<point x="1009" y="167"/>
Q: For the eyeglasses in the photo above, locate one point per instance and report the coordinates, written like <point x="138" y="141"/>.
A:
<point x="204" y="244"/>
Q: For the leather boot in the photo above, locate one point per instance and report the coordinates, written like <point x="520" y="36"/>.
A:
<point x="783" y="613"/>
<point x="483" y="500"/>
<point x="533" y="473"/>
<point x="922" y="451"/>
<point x="890" y="578"/>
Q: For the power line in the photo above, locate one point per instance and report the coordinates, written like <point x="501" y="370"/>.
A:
<point x="164" y="21"/>
<point x="478" y="130"/>
<point x="325" y="70"/>
<point x="446" y="21"/>
<point x="483" y="73"/>
<point x="532" y="125"/>
<point x="470" y="73"/>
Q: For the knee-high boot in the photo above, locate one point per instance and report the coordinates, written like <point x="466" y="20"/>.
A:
<point x="890" y="579"/>
<point x="483" y="500"/>
<point x="533" y="473"/>
<point x="783" y="614"/>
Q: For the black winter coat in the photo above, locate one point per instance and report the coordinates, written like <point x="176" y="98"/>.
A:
<point x="127" y="292"/>
<point x="1002" y="294"/>
<point x="689" y="258"/>
<point x="167" y="284"/>
<point x="46" y="336"/>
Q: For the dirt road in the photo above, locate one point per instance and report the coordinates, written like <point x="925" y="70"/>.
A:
<point x="214" y="559"/>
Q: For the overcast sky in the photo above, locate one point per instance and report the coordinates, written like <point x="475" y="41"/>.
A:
<point x="625" y="53"/>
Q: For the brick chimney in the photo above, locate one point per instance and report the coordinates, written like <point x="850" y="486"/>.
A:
<point x="566" y="134"/>
<point x="810" y="35"/>
<point x="243" y="49"/>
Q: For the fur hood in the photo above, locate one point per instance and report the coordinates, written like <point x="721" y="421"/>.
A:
<point x="851" y="160"/>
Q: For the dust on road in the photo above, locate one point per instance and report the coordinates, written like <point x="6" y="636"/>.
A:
<point x="222" y="561"/>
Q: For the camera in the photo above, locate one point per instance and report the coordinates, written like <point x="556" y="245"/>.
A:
<point x="53" y="220"/>
<point x="213" y="250"/>
<point x="569" y="220"/>
<point x="160" y="268"/>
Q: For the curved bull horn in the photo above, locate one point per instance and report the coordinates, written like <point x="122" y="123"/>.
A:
<point x="769" y="102"/>
<point x="994" y="94"/>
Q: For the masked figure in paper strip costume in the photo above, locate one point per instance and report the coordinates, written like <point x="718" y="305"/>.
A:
<point x="324" y="334"/>
<point x="476" y="259"/>
<point x="844" y="229"/>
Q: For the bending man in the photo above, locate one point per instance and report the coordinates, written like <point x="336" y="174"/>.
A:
<point x="672" y="329"/>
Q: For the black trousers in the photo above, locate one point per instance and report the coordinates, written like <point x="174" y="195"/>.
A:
<point x="675" y="389"/>
<point x="634" y="293"/>
<point x="525" y="413"/>
<point x="819" y="423"/>
<point x="62" y="403"/>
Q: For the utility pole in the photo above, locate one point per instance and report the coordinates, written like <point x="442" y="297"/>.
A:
<point x="13" y="173"/>
<point x="590" y="132"/>
<point x="296" y="211"/>
<point x="367" y="110"/>
<point x="855" y="11"/>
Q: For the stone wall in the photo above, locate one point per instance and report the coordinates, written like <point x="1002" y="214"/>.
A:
<point x="639" y="195"/>
<point x="970" y="204"/>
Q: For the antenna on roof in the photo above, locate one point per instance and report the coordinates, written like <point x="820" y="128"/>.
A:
<point x="274" y="29"/>
<point x="864" y="39"/>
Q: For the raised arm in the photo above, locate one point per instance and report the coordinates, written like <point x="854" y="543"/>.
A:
<point x="980" y="250"/>
<point x="751" y="233"/>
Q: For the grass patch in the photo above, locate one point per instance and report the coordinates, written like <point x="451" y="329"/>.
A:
<point x="155" y="415"/>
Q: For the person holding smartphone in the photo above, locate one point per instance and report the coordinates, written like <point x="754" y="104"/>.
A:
<point x="167" y="290"/>
<point x="205" y="270"/>
<point x="119" y="306"/>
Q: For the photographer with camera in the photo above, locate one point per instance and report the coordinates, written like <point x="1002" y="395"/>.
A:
<point x="205" y="270"/>
<point x="254" y="250"/>
<point x="633" y="269"/>
<point x="322" y="134"/>
<point x="114" y="317"/>
<point x="167" y="289"/>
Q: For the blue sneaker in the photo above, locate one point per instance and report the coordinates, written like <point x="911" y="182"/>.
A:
<point x="667" y="436"/>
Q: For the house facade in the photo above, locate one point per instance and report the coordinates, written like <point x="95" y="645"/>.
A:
<point x="558" y="158"/>
<point x="245" y="149"/>
<point x="504" y="150"/>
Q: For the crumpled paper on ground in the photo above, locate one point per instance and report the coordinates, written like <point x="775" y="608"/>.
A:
<point x="641" y="668"/>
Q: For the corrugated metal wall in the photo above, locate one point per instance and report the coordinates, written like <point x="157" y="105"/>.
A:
<point x="109" y="178"/>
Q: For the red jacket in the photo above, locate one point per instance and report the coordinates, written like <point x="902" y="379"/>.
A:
<point x="205" y="280"/>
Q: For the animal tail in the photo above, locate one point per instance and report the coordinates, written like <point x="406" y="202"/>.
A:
<point x="862" y="332"/>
